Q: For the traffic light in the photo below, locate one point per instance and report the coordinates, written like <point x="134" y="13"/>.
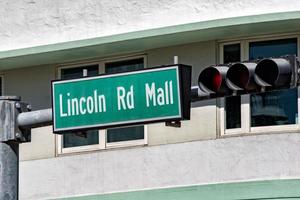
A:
<point x="248" y="77"/>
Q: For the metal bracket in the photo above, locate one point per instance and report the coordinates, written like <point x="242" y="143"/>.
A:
<point x="176" y="124"/>
<point x="10" y="107"/>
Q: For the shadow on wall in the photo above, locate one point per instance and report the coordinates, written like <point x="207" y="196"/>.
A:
<point x="203" y="103"/>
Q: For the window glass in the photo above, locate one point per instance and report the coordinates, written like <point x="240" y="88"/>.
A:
<point x="125" y="134"/>
<point x="277" y="107"/>
<point x="1" y="85"/>
<point x="124" y="66"/>
<point x="128" y="133"/>
<point x="232" y="104"/>
<point x="77" y="72"/>
<point x="232" y="53"/>
<point x="233" y="112"/>
<point x="81" y="138"/>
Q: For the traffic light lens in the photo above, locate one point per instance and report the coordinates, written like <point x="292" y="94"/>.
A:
<point x="216" y="81"/>
<point x="210" y="79"/>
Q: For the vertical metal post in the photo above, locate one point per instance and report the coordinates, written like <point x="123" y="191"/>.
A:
<point x="175" y="60"/>
<point x="15" y="125"/>
<point x="9" y="170"/>
<point x="9" y="148"/>
<point x="84" y="72"/>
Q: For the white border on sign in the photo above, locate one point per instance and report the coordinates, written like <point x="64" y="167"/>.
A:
<point x="114" y="123"/>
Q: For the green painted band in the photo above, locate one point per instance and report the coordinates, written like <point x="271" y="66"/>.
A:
<point x="270" y="189"/>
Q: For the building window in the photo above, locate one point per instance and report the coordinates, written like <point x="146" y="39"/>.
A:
<point x="257" y="112"/>
<point x="128" y="133"/>
<point x="1" y="85"/>
<point x="278" y="107"/>
<point x="101" y="139"/>
<point x="81" y="138"/>
<point x="232" y="53"/>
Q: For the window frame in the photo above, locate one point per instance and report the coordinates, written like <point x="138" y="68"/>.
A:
<point x="129" y="142"/>
<point x="245" y="99"/>
<point x="103" y="144"/>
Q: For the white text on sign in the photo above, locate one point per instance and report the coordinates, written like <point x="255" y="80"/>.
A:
<point x="96" y="103"/>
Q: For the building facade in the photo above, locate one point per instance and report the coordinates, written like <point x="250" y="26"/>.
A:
<point x="244" y="147"/>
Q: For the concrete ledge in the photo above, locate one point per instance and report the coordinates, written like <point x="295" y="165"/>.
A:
<point x="260" y="157"/>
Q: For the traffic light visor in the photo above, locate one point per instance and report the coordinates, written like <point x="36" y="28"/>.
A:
<point x="238" y="77"/>
<point x="273" y="72"/>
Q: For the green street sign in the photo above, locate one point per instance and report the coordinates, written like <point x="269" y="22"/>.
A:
<point x="122" y="99"/>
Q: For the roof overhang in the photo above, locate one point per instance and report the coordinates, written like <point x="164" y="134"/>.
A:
<point x="141" y="41"/>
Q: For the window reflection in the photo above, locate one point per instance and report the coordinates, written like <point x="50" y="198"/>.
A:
<point x="274" y="108"/>
<point x="277" y="107"/>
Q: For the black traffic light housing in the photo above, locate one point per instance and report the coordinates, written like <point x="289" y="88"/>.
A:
<point x="240" y="77"/>
<point x="249" y="77"/>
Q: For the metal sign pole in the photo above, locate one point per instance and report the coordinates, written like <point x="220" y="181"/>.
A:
<point x="9" y="149"/>
<point x="9" y="170"/>
<point x="15" y="125"/>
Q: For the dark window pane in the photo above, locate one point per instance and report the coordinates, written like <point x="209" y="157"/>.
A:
<point x="278" y="107"/>
<point x="85" y="137"/>
<point x="232" y="53"/>
<point x="233" y="112"/>
<point x="128" y="133"/>
<point x="80" y="139"/>
<point x="124" y="66"/>
<point x="124" y="134"/>
<point x="274" y="108"/>
<point x="1" y="86"/>
<point x="272" y="48"/>
<point x="77" y="72"/>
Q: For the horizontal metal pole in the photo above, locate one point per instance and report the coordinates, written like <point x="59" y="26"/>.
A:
<point x="35" y="119"/>
<point x="40" y="118"/>
<point x="197" y="94"/>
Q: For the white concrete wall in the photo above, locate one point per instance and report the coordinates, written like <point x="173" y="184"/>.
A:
<point x="259" y="157"/>
<point x="42" y="144"/>
<point x="27" y="23"/>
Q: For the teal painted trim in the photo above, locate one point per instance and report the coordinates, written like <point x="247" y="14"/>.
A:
<point x="150" y="39"/>
<point x="272" y="189"/>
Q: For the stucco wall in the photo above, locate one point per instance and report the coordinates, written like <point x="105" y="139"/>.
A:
<point x="259" y="157"/>
<point x="42" y="144"/>
<point x="32" y="84"/>
<point x="28" y="23"/>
